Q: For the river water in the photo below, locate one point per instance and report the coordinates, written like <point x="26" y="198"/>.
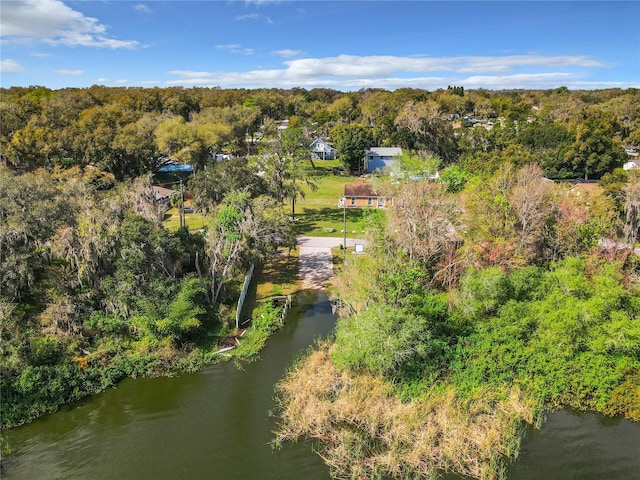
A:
<point x="215" y="424"/>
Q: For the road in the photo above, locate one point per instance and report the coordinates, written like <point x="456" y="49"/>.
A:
<point x="316" y="262"/>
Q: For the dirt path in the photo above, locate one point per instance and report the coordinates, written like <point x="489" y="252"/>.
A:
<point x="316" y="261"/>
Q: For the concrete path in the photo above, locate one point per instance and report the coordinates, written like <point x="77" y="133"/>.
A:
<point x="316" y="262"/>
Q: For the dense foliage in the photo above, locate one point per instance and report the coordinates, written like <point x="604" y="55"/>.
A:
<point x="93" y="288"/>
<point x="132" y="131"/>
<point x="480" y="306"/>
<point x="492" y="276"/>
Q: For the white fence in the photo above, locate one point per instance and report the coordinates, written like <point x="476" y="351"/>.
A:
<point x="243" y="294"/>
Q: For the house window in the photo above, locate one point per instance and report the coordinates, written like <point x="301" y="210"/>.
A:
<point x="369" y="201"/>
<point x="353" y="200"/>
<point x="381" y="201"/>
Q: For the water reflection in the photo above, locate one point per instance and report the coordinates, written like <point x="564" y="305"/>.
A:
<point x="208" y="425"/>
<point x="214" y="424"/>
<point x="580" y="446"/>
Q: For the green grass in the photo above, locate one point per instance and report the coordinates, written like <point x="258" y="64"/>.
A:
<point x="328" y="164"/>
<point x="279" y="276"/>
<point x="194" y="221"/>
<point x="319" y="211"/>
<point x="330" y="189"/>
<point x="316" y="215"/>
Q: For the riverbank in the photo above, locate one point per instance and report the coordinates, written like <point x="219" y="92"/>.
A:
<point x="417" y="382"/>
<point x="212" y="424"/>
<point x="104" y="367"/>
<point x="364" y="431"/>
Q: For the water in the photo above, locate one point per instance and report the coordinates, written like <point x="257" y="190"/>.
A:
<point x="215" y="424"/>
<point x="580" y="446"/>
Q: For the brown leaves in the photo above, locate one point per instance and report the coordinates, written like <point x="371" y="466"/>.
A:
<point x="424" y="220"/>
<point x="366" y="432"/>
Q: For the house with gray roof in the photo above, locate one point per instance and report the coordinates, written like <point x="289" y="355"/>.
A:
<point x="377" y="158"/>
<point x="322" y="150"/>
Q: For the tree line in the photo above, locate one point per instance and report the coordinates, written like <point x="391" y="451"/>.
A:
<point x="131" y="131"/>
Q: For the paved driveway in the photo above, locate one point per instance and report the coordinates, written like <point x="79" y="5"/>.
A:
<point x="316" y="262"/>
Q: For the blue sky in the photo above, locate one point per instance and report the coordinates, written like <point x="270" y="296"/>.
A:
<point x="341" y="45"/>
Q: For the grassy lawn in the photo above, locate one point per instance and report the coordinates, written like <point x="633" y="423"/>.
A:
<point x="194" y="221"/>
<point x="328" y="164"/>
<point x="279" y="276"/>
<point x="318" y="213"/>
<point x="330" y="189"/>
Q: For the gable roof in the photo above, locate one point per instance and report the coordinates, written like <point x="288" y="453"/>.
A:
<point x="161" y="193"/>
<point x="318" y="142"/>
<point x="360" y="189"/>
<point x="384" y="151"/>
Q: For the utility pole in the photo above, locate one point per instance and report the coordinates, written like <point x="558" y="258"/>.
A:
<point x="343" y="202"/>
<point x="182" y="219"/>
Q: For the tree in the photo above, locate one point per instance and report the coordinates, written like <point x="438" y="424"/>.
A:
<point x="226" y="128"/>
<point x="454" y="178"/>
<point x="415" y="166"/>
<point x="94" y="139"/>
<point x="32" y="207"/>
<point x="596" y="149"/>
<point x="244" y="231"/>
<point x="632" y="209"/>
<point x="344" y="109"/>
<point x="136" y="148"/>
<point x="424" y="220"/>
<point x="430" y="131"/>
<point x="177" y="139"/>
<point x="531" y="198"/>
<point x="282" y="160"/>
<point x="376" y="105"/>
<point x="352" y="141"/>
<point x="182" y="318"/>
<point x="218" y="180"/>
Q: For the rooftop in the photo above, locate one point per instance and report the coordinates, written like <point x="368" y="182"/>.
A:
<point x="385" y="151"/>
<point x="360" y="189"/>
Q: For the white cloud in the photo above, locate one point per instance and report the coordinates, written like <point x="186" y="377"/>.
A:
<point x="10" y="66"/>
<point x="42" y="55"/>
<point x="254" y="17"/>
<point x="52" y="22"/>
<point x="236" y="48"/>
<point x="64" y="71"/>
<point x="190" y="74"/>
<point x="228" y="46"/>
<point x="348" y="72"/>
<point x="287" y="53"/>
<point x="122" y="81"/>
<point x="142" y="8"/>
<point x="382" y="66"/>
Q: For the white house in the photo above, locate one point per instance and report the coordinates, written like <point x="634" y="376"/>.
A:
<point x="283" y="125"/>
<point x="322" y="150"/>
<point x="630" y="165"/>
<point x="377" y="158"/>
